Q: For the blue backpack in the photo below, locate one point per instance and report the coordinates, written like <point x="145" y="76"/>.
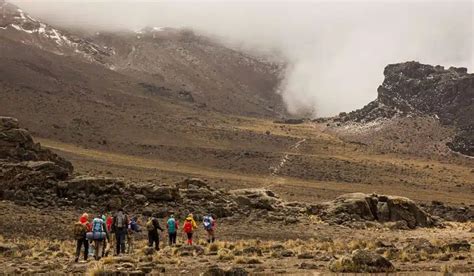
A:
<point x="171" y="225"/>
<point x="97" y="225"/>
<point x="98" y="230"/>
<point x="134" y="226"/>
<point x="207" y="223"/>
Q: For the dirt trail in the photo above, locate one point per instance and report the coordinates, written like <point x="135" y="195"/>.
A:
<point x="274" y="179"/>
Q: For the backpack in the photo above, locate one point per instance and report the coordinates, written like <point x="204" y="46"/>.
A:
<point x="188" y="226"/>
<point x="133" y="226"/>
<point x="120" y="220"/>
<point x="207" y="223"/>
<point x="171" y="225"/>
<point x="79" y="230"/>
<point x="150" y="226"/>
<point x="97" y="225"/>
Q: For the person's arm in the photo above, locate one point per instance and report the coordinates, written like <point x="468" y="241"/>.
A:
<point x="158" y="224"/>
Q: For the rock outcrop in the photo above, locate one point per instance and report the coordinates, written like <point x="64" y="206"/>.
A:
<point x="381" y="208"/>
<point x="414" y="89"/>
<point x="16" y="145"/>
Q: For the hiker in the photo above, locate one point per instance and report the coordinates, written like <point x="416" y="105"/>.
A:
<point x="133" y="228"/>
<point x="108" y="222"/>
<point x="189" y="227"/>
<point x="119" y="227"/>
<point x="209" y="223"/>
<point x="80" y="229"/>
<point x="172" y="226"/>
<point x="153" y="225"/>
<point x="105" y="242"/>
<point x="98" y="235"/>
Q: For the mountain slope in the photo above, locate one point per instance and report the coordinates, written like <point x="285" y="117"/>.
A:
<point x="165" y="62"/>
<point x="204" y="70"/>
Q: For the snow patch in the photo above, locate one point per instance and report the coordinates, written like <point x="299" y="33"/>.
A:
<point x="361" y="128"/>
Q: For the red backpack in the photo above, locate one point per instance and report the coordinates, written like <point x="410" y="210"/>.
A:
<point x="188" y="226"/>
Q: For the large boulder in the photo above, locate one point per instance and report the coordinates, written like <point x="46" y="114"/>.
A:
<point x="256" y="198"/>
<point x="362" y="261"/>
<point x="382" y="208"/>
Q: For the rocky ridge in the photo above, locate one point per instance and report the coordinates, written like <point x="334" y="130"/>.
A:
<point x="412" y="89"/>
<point x="35" y="176"/>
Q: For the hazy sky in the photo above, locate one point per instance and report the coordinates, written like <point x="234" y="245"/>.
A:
<point x="336" y="50"/>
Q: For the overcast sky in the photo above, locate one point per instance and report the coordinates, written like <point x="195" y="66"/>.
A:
<point x="336" y="50"/>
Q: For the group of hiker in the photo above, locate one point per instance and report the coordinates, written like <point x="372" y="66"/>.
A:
<point x="103" y="230"/>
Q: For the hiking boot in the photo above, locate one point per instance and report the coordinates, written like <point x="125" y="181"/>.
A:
<point x="76" y="260"/>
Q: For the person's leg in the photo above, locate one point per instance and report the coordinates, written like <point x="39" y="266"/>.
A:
<point x="208" y="236"/>
<point x="132" y="243"/>
<point x="157" y="242"/>
<point x="190" y="238"/>
<point x="86" y="248"/>
<point x="173" y="240"/>
<point x="117" y="242"/>
<point x="213" y="237"/>
<point x="78" y="249"/>
<point x="150" y="239"/>
<point x="104" y="247"/>
<point x="122" y="240"/>
<point x="97" y="246"/>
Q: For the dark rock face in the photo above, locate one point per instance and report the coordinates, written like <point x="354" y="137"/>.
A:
<point x="412" y="89"/>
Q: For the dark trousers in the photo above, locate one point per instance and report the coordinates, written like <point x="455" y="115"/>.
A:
<point x="172" y="238"/>
<point x="79" y="244"/>
<point x="190" y="238"/>
<point x="153" y="237"/>
<point x="120" y="235"/>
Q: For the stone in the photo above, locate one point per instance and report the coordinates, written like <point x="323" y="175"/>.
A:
<point x="362" y="261"/>
<point x="362" y="207"/>
<point x="306" y="255"/>
<point x="305" y="265"/>
<point x="458" y="246"/>
<point x="236" y="271"/>
<point x="7" y="123"/>
<point x="214" y="271"/>
<point x="417" y="245"/>
<point x="190" y="250"/>
<point x="8" y="249"/>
